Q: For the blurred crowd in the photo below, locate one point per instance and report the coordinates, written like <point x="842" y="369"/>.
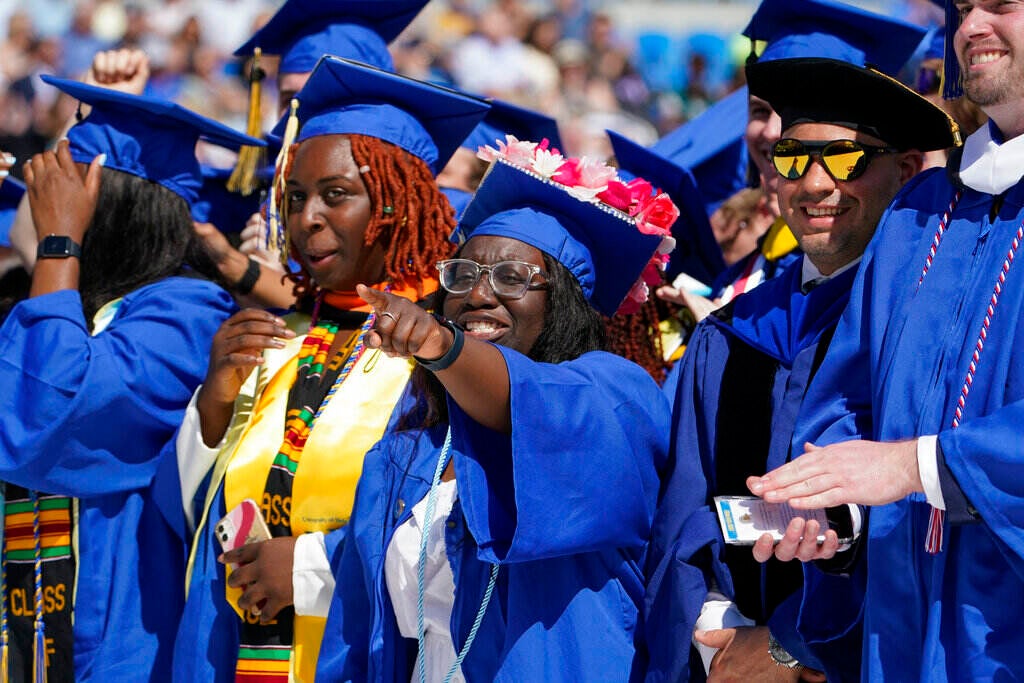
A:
<point x="565" y="58"/>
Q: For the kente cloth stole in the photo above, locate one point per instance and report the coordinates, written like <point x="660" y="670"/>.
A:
<point x="38" y="577"/>
<point x="265" y="650"/>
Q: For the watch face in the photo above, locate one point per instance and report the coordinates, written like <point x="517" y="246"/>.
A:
<point x="58" y="246"/>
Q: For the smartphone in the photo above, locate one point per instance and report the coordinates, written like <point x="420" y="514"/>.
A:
<point x="241" y="526"/>
<point x="744" y="519"/>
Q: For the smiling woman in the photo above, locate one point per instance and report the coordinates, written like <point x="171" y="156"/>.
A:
<point x="358" y="198"/>
<point x="501" y="519"/>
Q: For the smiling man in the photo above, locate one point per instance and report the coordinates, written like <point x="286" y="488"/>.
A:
<point x="843" y="154"/>
<point x="918" y="406"/>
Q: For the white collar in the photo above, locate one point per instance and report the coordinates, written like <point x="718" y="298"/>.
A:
<point x="809" y="272"/>
<point x="989" y="166"/>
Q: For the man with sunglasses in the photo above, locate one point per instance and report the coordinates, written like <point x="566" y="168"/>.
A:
<point x="851" y="137"/>
<point x="918" y="407"/>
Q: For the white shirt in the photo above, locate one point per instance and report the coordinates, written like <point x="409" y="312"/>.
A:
<point x="401" y="564"/>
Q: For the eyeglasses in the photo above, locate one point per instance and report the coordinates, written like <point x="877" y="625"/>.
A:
<point x="841" y="159"/>
<point x="508" y="279"/>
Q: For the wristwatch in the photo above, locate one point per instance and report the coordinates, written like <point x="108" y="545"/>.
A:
<point x="779" y="654"/>
<point x="58" y="246"/>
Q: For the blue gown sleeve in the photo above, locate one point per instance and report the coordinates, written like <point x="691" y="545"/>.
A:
<point x="579" y="471"/>
<point x="985" y="455"/>
<point x="85" y="415"/>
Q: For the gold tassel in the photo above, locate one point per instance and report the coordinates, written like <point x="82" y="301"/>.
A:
<point x="277" y="236"/>
<point x="250" y="159"/>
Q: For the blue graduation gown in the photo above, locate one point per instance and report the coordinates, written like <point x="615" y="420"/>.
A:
<point x="563" y="505"/>
<point x="741" y="382"/>
<point x="895" y="371"/>
<point x="86" y="416"/>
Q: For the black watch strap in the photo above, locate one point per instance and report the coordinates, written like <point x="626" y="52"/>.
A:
<point x="58" y="246"/>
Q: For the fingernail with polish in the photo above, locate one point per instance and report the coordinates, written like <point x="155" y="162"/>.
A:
<point x="102" y="159"/>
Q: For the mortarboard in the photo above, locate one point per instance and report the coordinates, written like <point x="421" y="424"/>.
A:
<point x="820" y="28"/>
<point x="712" y="147"/>
<point x="11" y="191"/>
<point x="227" y="210"/>
<point x="508" y="119"/>
<point x="145" y="136"/>
<point x="697" y="253"/>
<point x="601" y="246"/>
<point x="345" y="97"/>
<point x="302" y="31"/>
<point x="802" y="89"/>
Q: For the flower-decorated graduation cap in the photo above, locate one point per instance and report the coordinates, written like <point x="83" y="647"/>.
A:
<point x="11" y="191"/>
<point x="145" y="136"/>
<point x="697" y="253"/>
<point x="712" y="147"/>
<point x="606" y="232"/>
<point x="868" y="101"/>
<point x="345" y="97"/>
<point x="820" y="28"/>
<point x="503" y="119"/>
<point x="302" y="31"/>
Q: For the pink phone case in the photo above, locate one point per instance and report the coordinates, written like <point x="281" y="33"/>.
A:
<point x="241" y="526"/>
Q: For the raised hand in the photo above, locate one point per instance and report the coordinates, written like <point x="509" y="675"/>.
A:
<point x="62" y="200"/>
<point x="237" y="348"/>
<point x="126" y="70"/>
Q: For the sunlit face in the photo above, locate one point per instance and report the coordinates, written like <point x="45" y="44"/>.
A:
<point x="515" y="323"/>
<point x="990" y="48"/>
<point x="328" y="211"/>
<point x="764" y="128"/>
<point x="833" y="221"/>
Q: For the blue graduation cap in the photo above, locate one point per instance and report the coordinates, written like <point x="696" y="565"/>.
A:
<point x="713" y="148"/>
<point x="227" y="210"/>
<point x="599" y="245"/>
<point x="303" y="31"/>
<point x="697" y="253"/>
<point x="11" y="191"/>
<point x="145" y="136"/>
<point x="345" y="97"/>
<point x="820" y="28"/>
<point x="508" y="119"/>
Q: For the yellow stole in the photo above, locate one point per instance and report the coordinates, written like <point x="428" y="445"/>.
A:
<point x="325" y="482"/>
<point x="778" y="241"/>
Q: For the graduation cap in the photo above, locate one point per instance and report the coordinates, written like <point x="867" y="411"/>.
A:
<point x="226" y="209"/>
<point x="11" y="191"/>
<point x="508" y="119"/>
<point x="303" y="31"/>
<point x="345" y="97"/>
<point x="713" y="148"/>
<point x="697" y="253"/>
<point x="820" y="28"/>
<point x="833" y="91"/>
<point x="145" y="136"/>
<point x="601" y="246"/>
